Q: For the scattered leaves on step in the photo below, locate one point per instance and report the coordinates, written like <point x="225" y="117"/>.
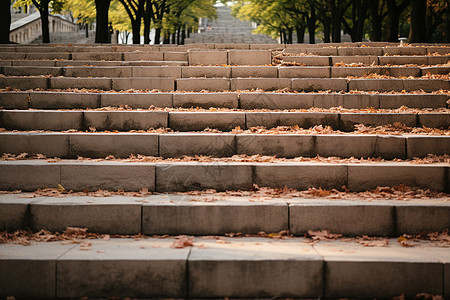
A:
<point x="425" y="296"/>
<point x="405" y="242"/>
<point x="61" y="189"/>
<point x="182" y="241"/>
<point x="322" y="235"/>
<point x="85" y="246"/>
<point x="134" y="91"/>
<point x="367" y="241"/>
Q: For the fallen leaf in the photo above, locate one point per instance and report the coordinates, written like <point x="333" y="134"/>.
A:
<point x="425" y="296"/>
<point x="182" y="241"/>
<point x="405" y="242"/>
<point x="322" y="235"/>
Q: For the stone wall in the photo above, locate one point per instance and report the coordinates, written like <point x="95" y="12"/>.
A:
<point x="26" y="30"/>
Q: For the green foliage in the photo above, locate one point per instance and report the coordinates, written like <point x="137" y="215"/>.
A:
<point x="83" y="10"/>
<point x="187" y="13"/>
<point x="276" y="17"/>
<point x="56" y="6"/>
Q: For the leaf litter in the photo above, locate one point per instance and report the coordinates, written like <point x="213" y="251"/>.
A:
<point x="255" y="193"/>
<point x="239" y="158"/>
<point x="396" y="128"/>
<point x="81" y="236"/>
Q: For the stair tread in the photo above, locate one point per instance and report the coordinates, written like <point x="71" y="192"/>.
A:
<point x="252" y="267"/>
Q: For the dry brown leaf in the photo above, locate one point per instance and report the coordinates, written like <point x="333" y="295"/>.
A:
<point x="322" y="235"/>
<point x="182" y="241"/>
<point x="425" y="296"/>
<point x="405" y="242"/>
<point x="367" y="241"/>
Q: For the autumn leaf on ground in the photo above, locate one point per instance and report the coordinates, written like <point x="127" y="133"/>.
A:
<point x="183" y="241"/>
<point x="279" y="235"/>
<point x="85" y="246"/>
<point x="322" y="235"/>
<point x="405" y="242"/>
<point x="61" y="189"/>
<point x="75" y="232"/>
<point x="367" y="241"/>
<point x="425" y="296"/>
<point x="401" y="297"/>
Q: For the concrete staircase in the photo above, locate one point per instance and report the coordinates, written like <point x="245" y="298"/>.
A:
<point x="75" y="37"/>
<point x="244" y="148"/>
<point x="227" y="29"/>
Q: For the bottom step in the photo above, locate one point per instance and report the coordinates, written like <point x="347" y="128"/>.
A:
<point x="213" y="267"/>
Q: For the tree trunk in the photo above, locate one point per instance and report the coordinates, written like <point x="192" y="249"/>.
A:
<point x="448" y="25"/>
<point x="300" y="34"/>
<point x="183" y="34"/>
<point x="178" y="34"/>
<point x="336" y="29"/>
<point x="417" y="31"/>
<point x="166" y="38"/>
<point x="44" y="21"/>
<point x="147" y="34"/>
<point x="376" y="20"/>
<point x="5" y="21"/>
<point x="311" y="21"/>
<point x="157" y="36"/>
<point x="394" y="18"/>
<point x="360" y="18"/>
<point x="285" y="41"/>
<point x="326" y="30"/>
<point x="102" y="30"/>
<point x="136" y="26"/>
<point x="290" y="32"/>
<point x="147" y="21"/>
<point x="174" y="38"/>
<point x="336" y="20"/>
<point x="394" y="12"/>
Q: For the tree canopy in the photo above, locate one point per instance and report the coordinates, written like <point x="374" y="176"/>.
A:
<point x="172" y="20"/>
<point x="376" y="20"/>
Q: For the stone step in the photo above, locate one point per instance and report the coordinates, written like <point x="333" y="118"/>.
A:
<point x="232" y="100"/>
<point x="311" y="60"/>
<point x="232" y="56"/>
<point x="59" y="120"/>
<point x="71" y="63"/>
<point x="97" y="56"/>
<point x="222" y="267"/>
<point x="219" y="214"/>
<point x="122" y="145"/>
<point x="166" y="84"/>
<point x="169" y="176"/>
<point x="342" y="49"/>
<point x="324" y="50"/>
<point x="221" y="71"/>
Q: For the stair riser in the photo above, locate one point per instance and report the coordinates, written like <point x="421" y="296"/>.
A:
<point x="370" y="60"/>
<point x="174" y="177"/>
<point x="222" y="145"/>
<point x="66" y="63"/>
<point x="247" y="268"/>
<point x="225" y="84"/>
<point x="198" y="121"/>
<point x="56" y="100"/>
<point x="219" y="72"/>
<point x="215" y="215"/>
<point x="361" y="48"/>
